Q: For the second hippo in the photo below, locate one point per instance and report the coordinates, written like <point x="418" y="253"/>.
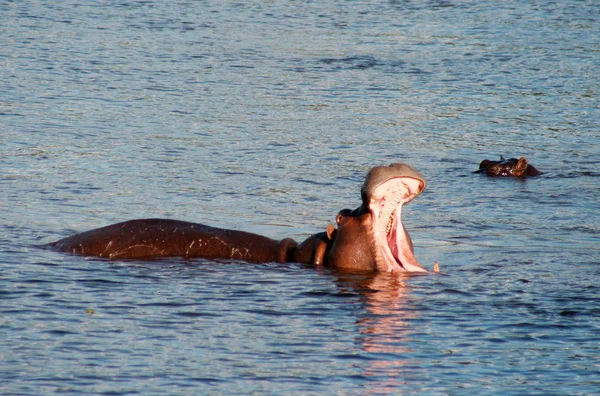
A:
<point x="508" y="167"/>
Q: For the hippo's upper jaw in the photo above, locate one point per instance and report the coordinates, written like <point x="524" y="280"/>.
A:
<point x="392" y="244"/>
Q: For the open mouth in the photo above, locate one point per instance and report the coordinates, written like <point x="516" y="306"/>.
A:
<point x="395" y="250"/>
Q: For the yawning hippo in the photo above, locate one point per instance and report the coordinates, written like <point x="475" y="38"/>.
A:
<point x="369" y="238"/>
<point x="507" y="167"/>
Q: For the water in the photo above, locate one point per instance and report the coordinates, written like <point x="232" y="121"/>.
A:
<point x="266" y="117"/>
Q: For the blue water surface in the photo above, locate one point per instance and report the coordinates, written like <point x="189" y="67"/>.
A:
<point x="265" y="117"/>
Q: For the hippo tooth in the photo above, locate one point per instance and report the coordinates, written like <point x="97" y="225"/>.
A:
<point x="395" y="197"/>
<point x="390" y="223"/>
<point x="388" y="227"/>
<point x="385" y="217"/>
<point x="387" y="210"/>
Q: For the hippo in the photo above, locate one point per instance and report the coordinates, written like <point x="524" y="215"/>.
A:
<point x="368" y="238"/>
<point x="508" y="167"/>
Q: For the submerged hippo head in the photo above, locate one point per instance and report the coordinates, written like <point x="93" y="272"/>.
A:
<point x="507" y="167"/>
<point x="372" y="237"/>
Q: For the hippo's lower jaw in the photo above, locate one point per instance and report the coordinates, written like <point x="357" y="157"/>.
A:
<point x="392" y="244"/>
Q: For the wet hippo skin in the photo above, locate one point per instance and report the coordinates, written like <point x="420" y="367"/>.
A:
<point x="368" y="238"/>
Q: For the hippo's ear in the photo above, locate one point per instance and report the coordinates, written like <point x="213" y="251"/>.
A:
<point x="321" y="246"/>
<point x="331" y="232"/>
<point x="520" y="167"/>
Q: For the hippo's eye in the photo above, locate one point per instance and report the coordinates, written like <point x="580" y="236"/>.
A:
<point x="344" y="212"/>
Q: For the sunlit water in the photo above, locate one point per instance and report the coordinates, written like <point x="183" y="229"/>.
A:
<point x="266" y="117"/>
